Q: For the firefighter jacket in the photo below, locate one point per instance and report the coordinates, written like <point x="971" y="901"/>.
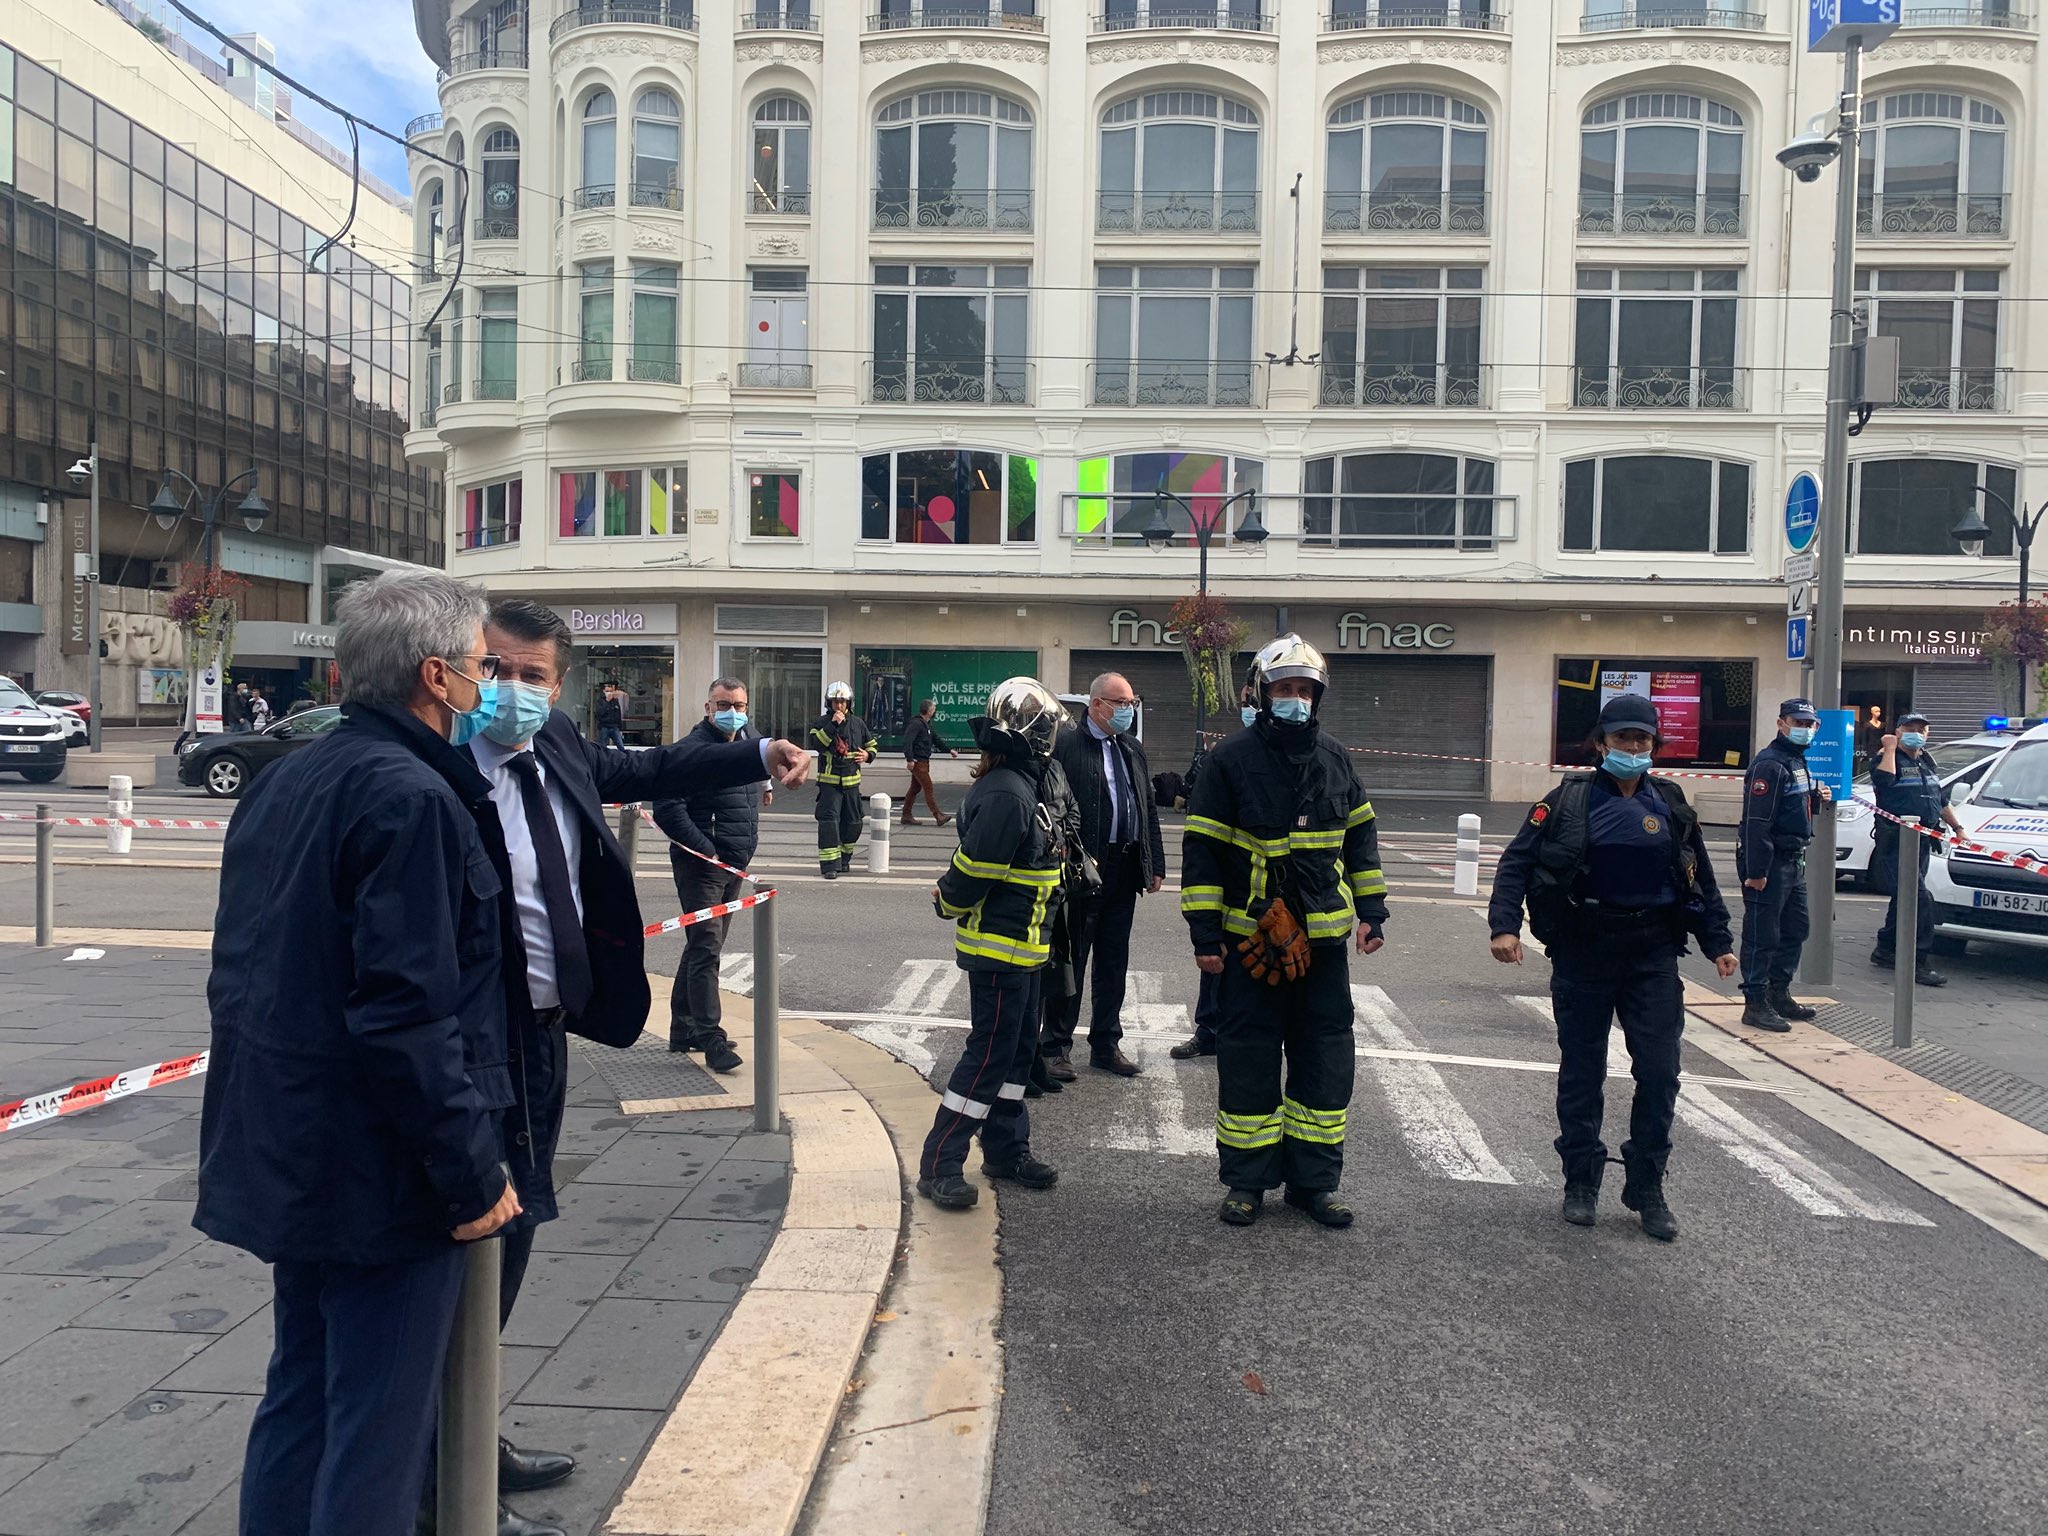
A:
<point x="1279" y="813"/>
<point x="835" y="742"/>
<point x="1779" y="802"/>
<point x="1003" y="886"/>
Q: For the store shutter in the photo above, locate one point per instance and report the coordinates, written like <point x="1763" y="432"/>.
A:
<point x="1436" y="706"/>
<point x="1956" y="698"/>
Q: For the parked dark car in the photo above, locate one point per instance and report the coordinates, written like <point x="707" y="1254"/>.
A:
<point x="225" y="765"/>
<point x="32" y="738"/>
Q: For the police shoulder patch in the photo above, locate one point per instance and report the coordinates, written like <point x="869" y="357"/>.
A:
<point x="1759" y="787"/>
<point x="1540" y="814"/>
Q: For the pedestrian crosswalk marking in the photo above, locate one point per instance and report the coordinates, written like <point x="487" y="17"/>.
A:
<point x="1439" y="1132"/>
<point x="923" y="987"/>
<point x="736" y="974"/>
<point x="1152" y="1115"/>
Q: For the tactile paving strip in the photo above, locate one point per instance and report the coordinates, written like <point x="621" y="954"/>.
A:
<point x="648" y="1069"/>
<point x="2024" y="1101"/>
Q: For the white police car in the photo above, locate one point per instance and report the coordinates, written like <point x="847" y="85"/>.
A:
<point x="1957" y="762"/>
<point x="1976" y="897"/>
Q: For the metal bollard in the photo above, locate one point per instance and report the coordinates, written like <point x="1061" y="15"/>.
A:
<point x="1905" y="939"/>
<point x="1465" y="871"/>
<point x="467" y="1492"/>
<point x="629" y="833"/>
<point x="120" y="807"/>
<point x="878" y="834"/>
<point x="767" y="1016"/>
<point x="46" y="886"/>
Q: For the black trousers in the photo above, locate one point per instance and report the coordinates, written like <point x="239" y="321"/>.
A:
<point x="1592" y="985"/>
<point x="1886" y="868"/>
<point x="340" y="1442"/>
<point x="1101" y="934"/>
<point x="1267" y="1136"/>
<point x="839" y="821"/>
<point x="985" y="1094"/>
<point x="1205" y="1011"/>
<point x="693" y="1007"/>
<point x="1774" y="925"/>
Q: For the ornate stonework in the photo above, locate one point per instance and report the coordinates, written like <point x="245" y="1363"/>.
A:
<point x="1475" y="52"/>
<point x="1256" y="49"/>
<point x="1946" y="50"/>
<point x="922" y="49"/>
<point x="464" y="91"/>
<point x="593" y="237"/>
<point x="1673" y="50"/>
<point x="784" y="50"/>
<point x="655" y="240"/>
<point x="777" y="242"/>
<point x="679" y="47"/>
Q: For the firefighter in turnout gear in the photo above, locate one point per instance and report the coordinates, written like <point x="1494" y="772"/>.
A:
<point x="1279" y="867"/>
<point x="843" y="742"/>
<point x="1001" y="894"/>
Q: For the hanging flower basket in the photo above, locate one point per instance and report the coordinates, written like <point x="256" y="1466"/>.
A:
<point x="1210" y="638"/>
<point x="2016" y="640"/>
<point x="205" y="608"/>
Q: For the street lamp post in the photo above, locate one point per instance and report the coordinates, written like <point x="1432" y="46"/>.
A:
<point x="88" y="469"/>
<point x="1159" y="533"/>
<point x="1972" y="529"/>
<point x="167" y="509"/>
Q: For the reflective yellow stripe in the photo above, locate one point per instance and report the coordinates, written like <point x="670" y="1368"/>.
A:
<point x="976" y="868"/>
<point x="1360" y="816"/>
<point x="1032" y="878"/>
<point x="1333" y="838"/>
<point x="1248" y="1131"/>
<point x="993" y="946"/>
<point x="1298" y="841"/>
<point x="1237" y="920"/>
<point x="1329" y="925"/>
<point x="952" y="911"/>
<point x="1366" y="882"/>
<point x="1319" y="1125"/>
<point x="1201" y="898"/>
<point x="844" y="779"/>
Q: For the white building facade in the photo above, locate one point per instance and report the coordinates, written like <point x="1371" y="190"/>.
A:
<point x="852" y="338"/>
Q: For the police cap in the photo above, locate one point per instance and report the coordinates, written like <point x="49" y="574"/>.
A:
<point x="1628" y="712"/>
<point x="1911" y="715"/>
<point x="1798" y="709"/>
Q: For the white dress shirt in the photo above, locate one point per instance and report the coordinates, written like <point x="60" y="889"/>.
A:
<point x="495" y="763"/>
<point x="1112" y="774"/>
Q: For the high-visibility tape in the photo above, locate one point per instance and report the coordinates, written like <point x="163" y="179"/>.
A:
<point x="705" y="914"/>
<point x="648" y="817"/>
<point x="1724" y="776"/>
<point x="1964" y="845"/>
<point x="97" y="1091"/>
<point x="181" y="823"/>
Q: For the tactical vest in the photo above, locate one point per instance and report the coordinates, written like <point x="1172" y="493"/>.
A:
<point x="1556" y="906"/>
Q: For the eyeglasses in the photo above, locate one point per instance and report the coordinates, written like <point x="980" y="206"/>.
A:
<point x="1119" y="703"/>
<point x="486" y="666"/>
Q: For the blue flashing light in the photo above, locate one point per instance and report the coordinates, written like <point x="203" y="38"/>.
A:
<point x="1998" y="722"/>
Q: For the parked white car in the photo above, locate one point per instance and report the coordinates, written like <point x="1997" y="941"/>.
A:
<point x="1958" y="762"/>
<point x="2006" y="808"/>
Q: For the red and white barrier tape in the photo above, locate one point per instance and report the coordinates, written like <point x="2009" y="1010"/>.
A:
<point x="97" y="1091"/>
<point x="1964" y="845"/>
<point x="648" y="817"/>
<point x="705" y="914"/>
<point x="1724" y="776"/>
<point x="181" y="823"/>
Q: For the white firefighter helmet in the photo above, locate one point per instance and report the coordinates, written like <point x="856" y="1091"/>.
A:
<point x="838" y="691"/>
<point x="1290" y="656"/>
<point x="1022" y="718"/>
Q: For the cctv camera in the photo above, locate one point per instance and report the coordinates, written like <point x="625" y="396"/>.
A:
<point x="1808" y="155"/>
<point x="82" y="470"/>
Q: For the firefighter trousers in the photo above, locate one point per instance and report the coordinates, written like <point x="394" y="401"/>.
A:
<point x="986" y="1091"/>
<point x="839" y="821"/>
<point x="1267" y="1136"/>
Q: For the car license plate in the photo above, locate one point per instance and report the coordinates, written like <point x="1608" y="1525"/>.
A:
<point x="26" y="746"/>
<point x="2011" y="901"/>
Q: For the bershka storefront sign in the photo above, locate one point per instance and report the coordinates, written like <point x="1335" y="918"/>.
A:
<point x="1926" y="636"/>
<point x="621" y="620"/>
<point x="1354" y="632"/>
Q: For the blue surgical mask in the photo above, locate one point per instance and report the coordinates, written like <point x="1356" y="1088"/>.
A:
<point x="1291" y="711"/>
<point x="470" y="723"/>
<point x="1801" y="735"/>
<point x="1626" y="765"/>
<point x="1248" y="714"/>
<point x="1122" y="716"/>
<point x="730" y="721"/>
<point x="1913" y="740"/>
<point x="522" y="710"/>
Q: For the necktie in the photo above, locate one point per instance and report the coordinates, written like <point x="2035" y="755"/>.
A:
<point x="1126" y="810"/>
<point x="572" y="959"/>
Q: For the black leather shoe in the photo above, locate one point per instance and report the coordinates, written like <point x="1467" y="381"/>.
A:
<point x="678" y="1043"/>
<point x="1321" y="1204"/>
<point x="949" y="1192"/>
<point x="1040" y="1082"/>
<point x="1883" y="959"/>
<point x="721" y="1057"/>
<point x="1927" y="976"/>
<point x="1756" y="1014"/>
<point x="1027" y="1170"/>
<point x="1785" y="1006"/>
<point x="1113" y="1060"/>
<point x="1241" y="1207"/>
<point x="1190" y="1048"/>
<point x="1060" y="1068"/>
<point x="512" y="1523"/>
<point x="524" y="1471"/>
<point x="831" y="870"/>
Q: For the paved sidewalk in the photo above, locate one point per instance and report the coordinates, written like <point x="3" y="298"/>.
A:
<point x="134" y="1348"/>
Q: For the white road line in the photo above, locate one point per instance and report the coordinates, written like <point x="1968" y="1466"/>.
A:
<point x="736" y="974"/>
<point x="1438" y="1131"/>
<point x="906" y="1022"/>
<point x="1151" y="1115"/>
<point x="921" y="985"/>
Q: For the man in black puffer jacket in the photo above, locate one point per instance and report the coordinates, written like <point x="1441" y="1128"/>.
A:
<point x="724" y="824"/>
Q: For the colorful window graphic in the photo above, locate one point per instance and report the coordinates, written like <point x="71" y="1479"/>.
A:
<point x="772" y="504"/>
<point x="949" y="496"/>
<point x="1116" y="501"/>
<point x="491" y="514"/>
<point x="623" y="503"/>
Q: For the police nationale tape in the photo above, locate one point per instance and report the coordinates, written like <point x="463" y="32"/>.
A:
<point x="180" y="823"/>
<point x="97" y="1091"/>
<point x="705" y="914"/>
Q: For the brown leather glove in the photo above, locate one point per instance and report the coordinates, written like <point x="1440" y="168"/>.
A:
<point x="1279" y="950"/>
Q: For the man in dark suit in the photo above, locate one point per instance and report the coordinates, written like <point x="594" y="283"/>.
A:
<point x="571" y="915"/>
<point x="1112" y="784"/>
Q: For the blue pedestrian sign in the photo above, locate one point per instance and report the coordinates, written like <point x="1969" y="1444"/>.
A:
<point x="1802" y="512"/>
<point x="1830" y="24"/>
<point x="1795" y="639"/>
<point x="1832" y="757"/>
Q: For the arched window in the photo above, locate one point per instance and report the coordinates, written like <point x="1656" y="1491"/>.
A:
<point x="657" y="151"/>
<point x="1658" y="163"/>
<point x="1116" y="503"/>
<point x="1907" y="506"/>
<point x="434" y="233"/>
<point x="600" y="151"/>
<point x="1406" y="160"/>
<point x="1933" y="164"/>
<point x="1179" y="161"/>
<point x="498" y="218"/>
<point x="953" y="160"/>
<point x="1656" y="503"/>
<point x="1398" y="501"/>
<point x="451" y="233"/>
<point x="780" y="176"/>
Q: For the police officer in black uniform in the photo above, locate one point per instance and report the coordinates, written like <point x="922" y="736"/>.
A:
<point x="1614" y="872"/>
<point x="1779" y="802"/>
<point x="1908" y="787"/>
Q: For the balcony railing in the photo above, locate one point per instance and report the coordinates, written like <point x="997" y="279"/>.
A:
<point x="1711" y="215"/>
<point x="451" y="392"/>
<point x="916" y="381"/>
<point x="653" y="195"/>
<point x="1176" y="384"/>
<point x="1953" y="389"/>
<point x="495" y="389"/>
<point x="1231" y="15"/>
<point x="1354" y="213"/>
<point x="1442" y="386"/>
<point x="1479" y="15"/>
<point x="769" y="20"/>
<point x="424" y="416"/>
<point x="425" y="123"/>
<point x="1986" y="13"/>
<point x="1612" y="17"/>
<point x="1177" y="213"/>
<point x="504" y="226"/>
<point x="1406" y="520"/>
<point x="595" y="197"/>
<point x="594" y="369"/>
<point x="1629" y="388"/>
<point x="1902" y="216"/>
<point x="774" y="376"/>
<point x="488" y="58"/>
<point x="649" y="370"/>
<point x="647" y="14"/>
<point x="961" y="208"/>
<point x="792" y="204"/>
<point x="954" y="13"/>
<point x="489" y="537"/>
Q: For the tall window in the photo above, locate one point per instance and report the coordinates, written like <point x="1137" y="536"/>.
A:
<point x="1348" y="14"/>
<point x="1661" y="164"/>
<point x="498" y="219"/>
<point x="594" y="319"/>
<point x="1173" y="335"/>
<point x="1656" y="338"/>
<point x="1398" y="501"/>
<point x="425" y="417"/>
<point x="600" y="151"/>
<point x="654" y="325"/>
<point x="778" y="329"/>
<point x="623" y="503"/>
<point x="776" y="15"/>
<point x="781" y="172"/>
<point x="1179" y="161"/>
<point x="657" y="151"/>
<point x="1406" y="160"/>
<point x="1115" y="504"/>
<point x="491" y="514"/>
<point x="774" y="504"/>
<point x="949" y="496"/>
<point x="501" y="35"/>
<point x="452" y="231"/>
<point x="1947" y="325"/>
<point x="1401" y="336"/>
<point x="951" y="335"/>
<point x="1933" y="163"/>
<point x="452" y="390"/>
<point x="433" y="244"/>
<point x="1907" y="506"/>
<point x="1656" y="503"/>
<point x="497" y="348"/>
<point x="953" y="160"/>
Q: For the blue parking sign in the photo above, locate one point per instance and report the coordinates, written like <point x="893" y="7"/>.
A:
<point x="1831" y="23"/>
<point x="1795" y="639"/>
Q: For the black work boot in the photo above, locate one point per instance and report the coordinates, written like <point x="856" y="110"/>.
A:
<point x="1643" y="1192"/>
<point x="1924" y="974"/>
<point x="1582" y="1193"/>
<point x="949" y="1192"/>
<point x="1786" y="1006"/>
<point x="829" y="869"/>
<point x="1321" y="1204"/>
<point x="719" y="1056"/>
<point x="1883" y="959"/>
<point x="1757" y="1014"/>
<point x="1026" y="1170"/>
<point x="1241" y="1207"/>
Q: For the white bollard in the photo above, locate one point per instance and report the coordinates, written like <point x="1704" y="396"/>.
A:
<point x="120" y="807"/>
<point x="1465" y="872"/>
<point x="878" y="834"/>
